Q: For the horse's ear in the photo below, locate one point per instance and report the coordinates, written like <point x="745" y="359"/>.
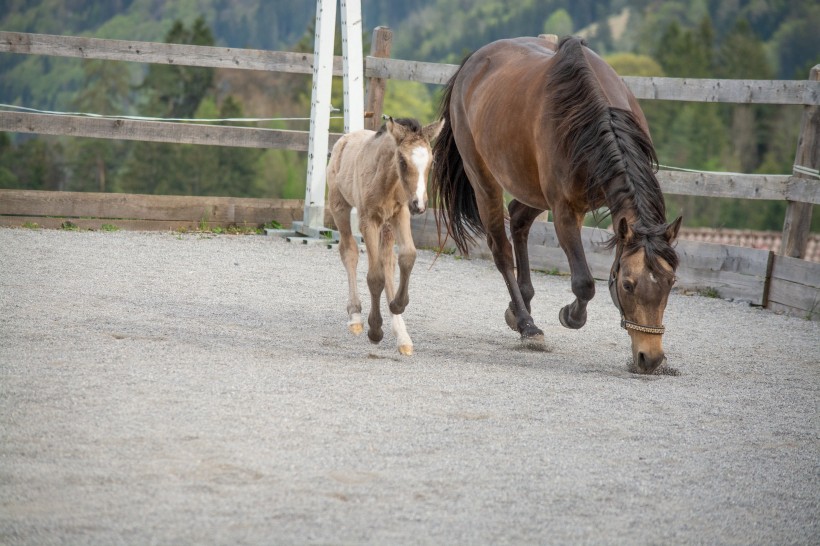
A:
<point x="431" y="131"/>
<point x="396" y="129"/>
<point x="624" y="231"/>
<point x="672" y="229"/>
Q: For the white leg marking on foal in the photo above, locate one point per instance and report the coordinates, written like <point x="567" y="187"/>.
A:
<point x="403" y="340"/>
<point x="421" y="157"/>
<point x="355" y="324"/>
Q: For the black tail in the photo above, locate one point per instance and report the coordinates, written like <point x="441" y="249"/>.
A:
<point x="451" y="190"/>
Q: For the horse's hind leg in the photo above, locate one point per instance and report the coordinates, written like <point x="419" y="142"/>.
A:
<point x="521" y="219"/>
<point x="568" y="229"/>
<point x="349" y="252"/>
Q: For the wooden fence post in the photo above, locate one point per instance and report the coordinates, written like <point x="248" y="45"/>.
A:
<point x="380" y="46"/>
<point x="797" y="224"/>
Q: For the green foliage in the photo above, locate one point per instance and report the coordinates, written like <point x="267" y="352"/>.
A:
<point x="560" y="23"/>
<point x="632" y="64"/>
<point x="175" y="91"/>
<point x="409" y="100"/>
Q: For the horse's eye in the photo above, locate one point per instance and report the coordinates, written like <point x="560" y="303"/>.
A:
<point x="629" y="286"/>
<point x="402" y="164"/>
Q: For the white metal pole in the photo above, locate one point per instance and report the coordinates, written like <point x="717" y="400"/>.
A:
<point x="353" y="64"/>
<point x="320" y="113"/>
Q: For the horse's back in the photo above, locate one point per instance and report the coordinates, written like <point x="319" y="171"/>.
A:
<point x="343" y="168"/>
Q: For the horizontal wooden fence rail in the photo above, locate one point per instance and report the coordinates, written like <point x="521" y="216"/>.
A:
<point x="160" y="53"/>
<point x="679" y="89"/>
<point x="90" y="210"/>
<point x="775" y="187"/>
<point x="156" y="131"/>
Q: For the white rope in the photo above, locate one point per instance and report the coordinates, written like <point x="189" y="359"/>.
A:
<point x="146" y="118"/>
<point x="797" y="169"/>
<point x="800" y="169"/>
<point x="697" y="171"/>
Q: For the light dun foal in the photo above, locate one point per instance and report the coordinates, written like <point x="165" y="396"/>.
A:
<point x="384" y="175"/>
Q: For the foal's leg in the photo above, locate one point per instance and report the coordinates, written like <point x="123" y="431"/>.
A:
<point x="521" y="219"/>
<point x="397" y="301"/>
<point x="568" y="229"/>
<point x="371" y="232"/>
<point x="349" y="251"/>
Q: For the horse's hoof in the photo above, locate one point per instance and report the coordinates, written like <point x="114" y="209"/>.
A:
<point x="355" y="328"/>
<point x="406" y="350"/>
<point x="509" y="318"/>
<point x="566" y="320"/>
<point x="534" y="342"/>
<point x="375" y="335"/>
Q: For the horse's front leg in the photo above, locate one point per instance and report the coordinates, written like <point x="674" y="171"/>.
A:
<point x="568" y="229"/>
<point x="371" y="233"/>
<point x="521" y="219"/>
<point x="398" y="300"/>
<point x="407" y="258"/>
<point x="491" y="211"/>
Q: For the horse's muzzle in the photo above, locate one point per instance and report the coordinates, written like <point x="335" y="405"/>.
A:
<point x="417" y="207"/>
<point x="646" y="364"/>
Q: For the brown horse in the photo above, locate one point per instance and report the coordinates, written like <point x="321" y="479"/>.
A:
<point x="384" y="175"/>
<point x="558" y="130"/>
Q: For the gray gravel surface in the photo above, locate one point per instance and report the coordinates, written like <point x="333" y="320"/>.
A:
<point x="158" y="388"/>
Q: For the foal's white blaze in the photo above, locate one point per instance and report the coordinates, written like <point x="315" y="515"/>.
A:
<point x="421" y="158"/>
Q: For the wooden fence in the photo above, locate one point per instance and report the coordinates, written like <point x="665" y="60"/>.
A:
<point x="780" y="283"/>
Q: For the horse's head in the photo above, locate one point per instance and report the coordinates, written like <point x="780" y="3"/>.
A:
<point x="413" y="158"/>
<point x="642" y="276"/>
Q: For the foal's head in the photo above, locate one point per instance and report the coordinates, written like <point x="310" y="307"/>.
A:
<point x="413" y="157"/>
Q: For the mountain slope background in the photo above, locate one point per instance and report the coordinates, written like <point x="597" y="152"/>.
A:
<point x="765" y="39"/>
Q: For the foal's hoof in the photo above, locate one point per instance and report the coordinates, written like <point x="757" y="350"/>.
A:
<point x="568" y="322"/>
<point x="406" y="350"/>
<point x="355" y="328"/>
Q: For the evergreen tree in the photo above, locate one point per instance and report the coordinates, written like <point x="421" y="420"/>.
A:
<point x="105" y="91"/>
<point x="175" y="91"/>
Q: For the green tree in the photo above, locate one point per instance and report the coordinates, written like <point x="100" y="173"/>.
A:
<point x="560" y="23"/>
<point x="236" y="167"/>
<point x="175" y="91"/>
<point x="105" y="90"/>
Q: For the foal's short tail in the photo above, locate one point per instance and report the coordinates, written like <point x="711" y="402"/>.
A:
<point x="450" y="188"/>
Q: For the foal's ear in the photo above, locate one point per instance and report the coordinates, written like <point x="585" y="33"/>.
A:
<point x="396" y="129"/>
<point x="672" y="229"/>
<point x="431" y="131"/>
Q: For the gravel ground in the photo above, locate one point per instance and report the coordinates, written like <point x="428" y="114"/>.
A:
<point x="158" y="388"/>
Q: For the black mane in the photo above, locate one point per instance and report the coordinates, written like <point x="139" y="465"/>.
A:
<point x="412" y="124"/>
<point x="608" y="150"/>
